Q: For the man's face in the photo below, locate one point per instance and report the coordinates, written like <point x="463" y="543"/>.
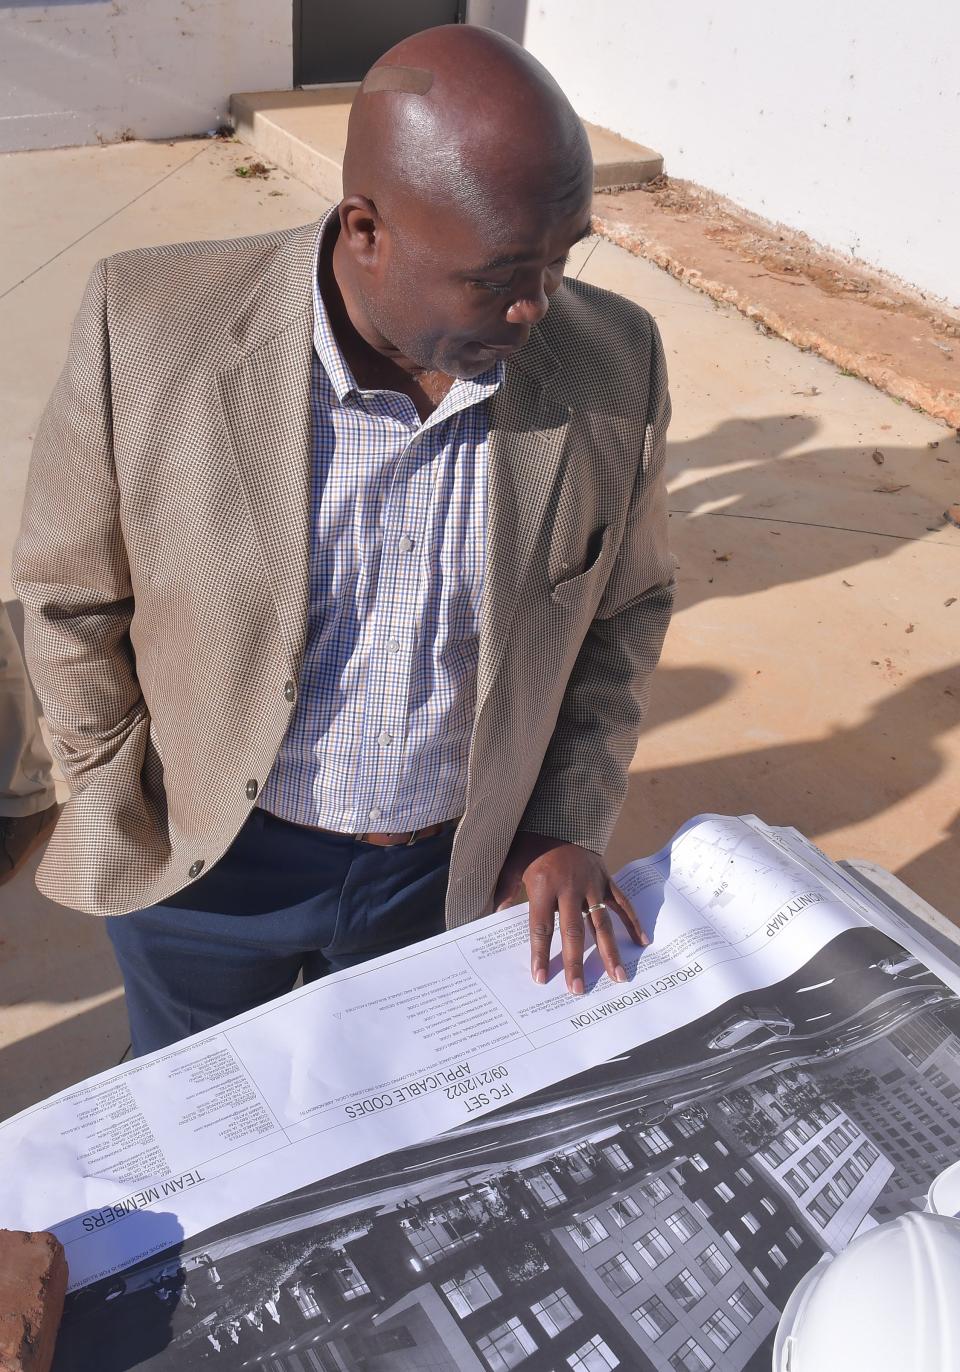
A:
<point x="454" y="292"/>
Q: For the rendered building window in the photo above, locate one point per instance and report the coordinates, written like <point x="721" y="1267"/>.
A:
<point x="556" y="1312"/>
<point x="746" y="1303"/>
<point x="691" y="1358"/>
<point x="624" y="1210"/>
<point x="587" y="1233"/>
<point x="653" y="1140"/>
<point x="593" y="1356"/>
<point x="682" y="1224"/>
<point x="654" y="1317"/>
<point x="617" y="1158"/>
<point x="471" y="1291"/>
<point x="712" y="1263"/>
<point x="778" y="1255"/>
<point x="546" y="1189"/>
<point x="656" y="1190"/>
<point x="653" y="1247"/>
<point x="618" y="1274"/>
<point x="720" y="1330"/>
<point x="685" y="1289"/>
<point x="506" y="1346"/>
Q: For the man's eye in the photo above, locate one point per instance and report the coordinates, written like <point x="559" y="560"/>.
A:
<point x="497" y="287"/>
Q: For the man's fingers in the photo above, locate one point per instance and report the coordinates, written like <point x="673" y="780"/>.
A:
<point x="576" y="890"/>
<point x="628" y="915"/>
<point x="572" y="939"/>
<point x="598" y="913"/>
<point x="541" y="937"/>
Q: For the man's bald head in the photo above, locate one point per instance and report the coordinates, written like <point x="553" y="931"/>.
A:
<point x="463" y="116"/>
<point x="467" y="177"/>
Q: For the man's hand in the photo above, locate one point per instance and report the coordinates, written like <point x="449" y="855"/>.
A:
<point x="573" y="882"/>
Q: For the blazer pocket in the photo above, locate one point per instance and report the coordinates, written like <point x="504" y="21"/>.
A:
<point x="571" y="590"/>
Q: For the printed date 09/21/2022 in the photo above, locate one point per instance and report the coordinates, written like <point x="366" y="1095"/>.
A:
<point x="489" y="1086"/>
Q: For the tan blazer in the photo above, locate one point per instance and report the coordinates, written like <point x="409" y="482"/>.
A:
<point x="163" y="568"/>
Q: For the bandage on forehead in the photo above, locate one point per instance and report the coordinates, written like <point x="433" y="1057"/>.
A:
<point x="409" y="80"/>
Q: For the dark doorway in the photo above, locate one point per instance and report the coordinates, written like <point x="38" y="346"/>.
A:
<point x="337" y="40"/>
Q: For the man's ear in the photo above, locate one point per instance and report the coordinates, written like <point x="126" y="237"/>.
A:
<point x="361" y="230"/>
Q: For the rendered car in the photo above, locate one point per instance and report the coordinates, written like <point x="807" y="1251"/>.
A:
<point x="902" y="962"/>
<point x="649" y="1115"/>
<point x="751" y="1028"/>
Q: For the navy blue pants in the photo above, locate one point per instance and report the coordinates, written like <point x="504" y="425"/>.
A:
<point x="283" y="900"/>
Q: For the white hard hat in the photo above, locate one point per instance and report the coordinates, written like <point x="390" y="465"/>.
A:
<point x="890" y="1302"/>
<point x="943" y="1198"/>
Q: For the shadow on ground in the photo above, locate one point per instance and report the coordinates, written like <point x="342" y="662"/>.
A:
<point x="859" y="504"/>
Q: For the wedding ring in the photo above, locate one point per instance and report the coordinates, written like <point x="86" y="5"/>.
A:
<point x="592" y="909"/>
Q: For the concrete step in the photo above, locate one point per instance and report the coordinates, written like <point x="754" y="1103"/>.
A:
<point x="305" y="131"/>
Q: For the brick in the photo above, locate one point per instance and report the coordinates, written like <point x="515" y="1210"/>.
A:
<point x="33" y="1283"/>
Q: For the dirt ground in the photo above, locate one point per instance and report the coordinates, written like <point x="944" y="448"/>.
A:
<point x="866" y="323"/>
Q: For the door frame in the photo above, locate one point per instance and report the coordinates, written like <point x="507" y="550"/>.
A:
<point x="298" y="33"/>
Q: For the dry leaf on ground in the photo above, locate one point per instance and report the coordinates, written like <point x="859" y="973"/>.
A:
<point x="253" y="171"/>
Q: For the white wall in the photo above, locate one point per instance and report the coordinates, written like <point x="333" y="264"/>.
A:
<point x="80" y="72"/>
<point x="838" y="117"/>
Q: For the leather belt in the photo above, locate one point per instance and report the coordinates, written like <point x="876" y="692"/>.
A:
<point x="393" y="840"/>
<point x="407" y="839"/>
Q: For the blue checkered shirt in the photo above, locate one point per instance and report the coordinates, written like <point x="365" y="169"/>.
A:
<point x="381" y="731"/>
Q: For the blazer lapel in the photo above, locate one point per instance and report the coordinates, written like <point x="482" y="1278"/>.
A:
<point x="266" y="399"/>
<point x="528" y="430"/>
<point x="266" y="402"/>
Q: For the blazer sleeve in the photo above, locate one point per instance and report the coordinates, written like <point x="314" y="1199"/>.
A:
<point x="583" y="780"/>
<point x="70" y="567"/>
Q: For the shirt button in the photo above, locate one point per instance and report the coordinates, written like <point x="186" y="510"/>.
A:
<point x="375" y="813"/>
<point x="196" y="868"/>
<point x="393" y="646"/>
<point x="385" y="737"/>
<point x="405" y="544"/>
<point x="252" y="789"/>
<point x="290" y="692"/>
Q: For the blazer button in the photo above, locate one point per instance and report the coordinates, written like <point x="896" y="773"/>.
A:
<point x="290" y="692"/>
<point x="252" y="789"/>
<point x="196" y="868"/>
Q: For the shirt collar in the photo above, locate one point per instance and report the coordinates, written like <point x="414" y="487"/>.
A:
<point x="462" y="394"/>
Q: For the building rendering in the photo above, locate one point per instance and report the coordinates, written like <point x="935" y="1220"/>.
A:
<point x="913" y="1114"/>
<point x="650" y="1247"/>
<point x="585" y="1234"/>
<point x="827" y="1172"/>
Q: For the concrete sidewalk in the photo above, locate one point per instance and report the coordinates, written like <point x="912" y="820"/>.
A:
<point x="812" y="674"/>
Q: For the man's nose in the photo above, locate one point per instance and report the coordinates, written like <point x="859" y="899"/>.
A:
<point x="529" y="308"/>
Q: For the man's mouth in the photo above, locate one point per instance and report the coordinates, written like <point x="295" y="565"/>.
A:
<point x="498" y="349"/>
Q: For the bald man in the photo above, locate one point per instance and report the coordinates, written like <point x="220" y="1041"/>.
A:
<point x="344" y="562"/>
